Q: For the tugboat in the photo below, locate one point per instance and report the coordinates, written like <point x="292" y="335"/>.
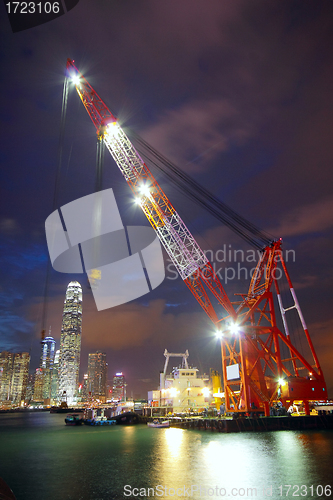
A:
<point x="74" y="419"/>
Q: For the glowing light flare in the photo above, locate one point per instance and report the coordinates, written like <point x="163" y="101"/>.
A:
<point x="205" y="392"/>
<point x="173" y="392"/>
<point x="112" y="130"/>
<point x="282" y="382"/>
<point x="75" y="79"/>
<point x="144" y="190"/>
<point x="234" y="329"/>
<point x="218" y="334"/>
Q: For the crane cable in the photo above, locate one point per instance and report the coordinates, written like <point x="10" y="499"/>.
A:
<point x="55" y="199"/>
<point x="248" y="231"/>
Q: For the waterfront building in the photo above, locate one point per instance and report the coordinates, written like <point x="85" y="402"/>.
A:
<point x="70" y="344"/>
<point x="182" y="389"/>
<point x="109" y="386"/>
<point x="14" y="371"/>
<point x="38" y="386"/>
<point x="29" y="393"/>
<point x="46" y="364"/>
<point x="20" y="375"/>
<point x="6" y="373"/>
<point x="84" y="389"/>
<point x="119" y="387"/>
<point x="97" y="375"/>
<point x="55" y="379"/>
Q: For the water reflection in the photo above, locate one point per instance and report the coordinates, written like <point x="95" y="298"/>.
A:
<point x="174" y="438"/>
<point x="96" y="463"/>
<point x="253" y="463"/>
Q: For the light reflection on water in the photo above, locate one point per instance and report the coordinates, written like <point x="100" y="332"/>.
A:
<point x="42" y="458"/>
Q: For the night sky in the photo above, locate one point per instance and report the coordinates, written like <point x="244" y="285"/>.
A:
<point x="237" y="93"/>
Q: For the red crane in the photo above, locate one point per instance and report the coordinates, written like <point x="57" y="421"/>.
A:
<point x="255" y="374"/>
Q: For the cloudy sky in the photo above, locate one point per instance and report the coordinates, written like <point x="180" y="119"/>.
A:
<point x="238" y="94"/>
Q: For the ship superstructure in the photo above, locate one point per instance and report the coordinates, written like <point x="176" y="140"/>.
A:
<point x="182" y="389"/>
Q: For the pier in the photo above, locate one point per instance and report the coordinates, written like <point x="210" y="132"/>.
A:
<point x="253" y="424"/>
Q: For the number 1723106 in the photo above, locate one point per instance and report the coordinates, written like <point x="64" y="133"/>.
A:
<point x="289" y="490"/>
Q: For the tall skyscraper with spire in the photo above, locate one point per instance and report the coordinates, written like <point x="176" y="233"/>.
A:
<point x="70" y="343"/>
<point x="46" y="364"/>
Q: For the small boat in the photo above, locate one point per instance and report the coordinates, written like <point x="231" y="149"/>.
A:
<point x="158" y="423"/>
<point x="99" y="421"/>
<point x="73" y="419"/>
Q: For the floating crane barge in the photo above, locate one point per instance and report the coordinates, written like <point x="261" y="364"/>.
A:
<point x="255" y="373"/>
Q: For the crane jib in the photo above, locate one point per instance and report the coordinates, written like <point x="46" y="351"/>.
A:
<point x="180" y="245"/>
<point x="255" y="374"/>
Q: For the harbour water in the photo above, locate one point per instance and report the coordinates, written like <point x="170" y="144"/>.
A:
<point x="41" y="458"/>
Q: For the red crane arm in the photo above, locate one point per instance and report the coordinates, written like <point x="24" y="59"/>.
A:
<point x="185" y="253"/>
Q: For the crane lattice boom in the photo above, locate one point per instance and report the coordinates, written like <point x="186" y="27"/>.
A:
<point x="183" y="250"/>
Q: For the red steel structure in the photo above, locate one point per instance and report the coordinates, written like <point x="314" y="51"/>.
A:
<point x="256" y="374"/>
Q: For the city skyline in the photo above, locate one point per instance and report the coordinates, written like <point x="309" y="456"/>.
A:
<point x="47" y="377"/>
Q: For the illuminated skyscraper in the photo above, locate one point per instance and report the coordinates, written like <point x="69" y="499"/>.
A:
<point x="38" y="385"/>
<point x="14" y="371"/>
<point x="6" y="373"/>
<point x="55" y="378"/>
<point x="20" y="377"/>
<point x="46" y="364"/>
<point x="70" y="343"/>
<point x="119" y="387"/>
<point x="30" y="388"/>
<point x="97" y="375"/>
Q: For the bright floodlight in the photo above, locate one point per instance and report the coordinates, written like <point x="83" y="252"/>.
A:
<point x="144" y="190"/>
<point x="282" y="382"/>
<point x="112" y="129"/>
<point x="75" y="79"/>
<point x="205" y="392"/>
<point x="234" y="329"/>
<point x="219" y="334"/>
